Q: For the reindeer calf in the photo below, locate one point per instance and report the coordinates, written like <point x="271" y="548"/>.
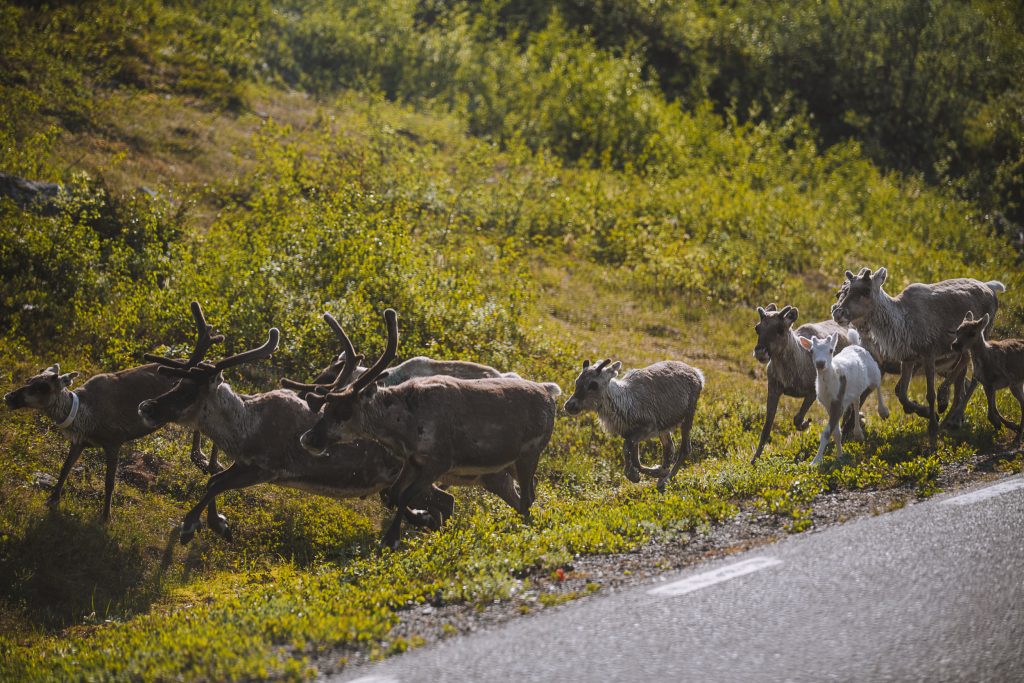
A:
<point x="646" y="403"/>
<point x="997" y="365"/>
<point x="843" y="380"/>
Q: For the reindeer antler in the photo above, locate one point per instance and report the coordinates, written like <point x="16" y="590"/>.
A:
<point x="377" y="369"/>
<point x="204" y="340"/>
<point x="337" y="373"/>
<point x="260" y="352"/>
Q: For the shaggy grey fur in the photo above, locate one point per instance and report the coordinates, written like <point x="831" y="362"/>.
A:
<point x="914" y="327"/>
<point x="646" y="403"/>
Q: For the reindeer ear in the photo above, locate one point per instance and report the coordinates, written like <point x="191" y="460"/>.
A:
<point x="878" y="278"/>
<point x="804" y="342"/>
<point x="771" y="307"/>
<point x="315" y="401"/>
<point x="370" y="390"/>
<point x="761" y="313"/>
<point x="833" y="341"/>
<point x="55" y="369"/>
<point x="586" y="364"/>
<point x="850" y="275"/>
<point x="969" y="317"/>
<point x="791" y="315"/>
<point x="985" y="320"/>
<point x="66" y="380"/>
<point x="614" y="367"/>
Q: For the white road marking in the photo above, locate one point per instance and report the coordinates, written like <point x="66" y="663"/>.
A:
<point x="698" y="581"/>
<point x="374" y="679"/>
<point x="985" y="493"/>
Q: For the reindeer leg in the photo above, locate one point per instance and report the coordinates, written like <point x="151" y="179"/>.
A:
<point x="237" y="476"/>
<point x="73" y="454"/>
<point x="910" y="407"/>
<point x="958" y="379"/>
<point x="774" y="393"/>
<point x="526" y="469"/>
<point x="994" y="416"/>
<point x="108" y="493"/>
<point x="419" y="479"/>
<point x="218" y="523"/>
<point x="503" y="485"/>
<point x="799" y="422"/>
<point x="631" y="459"/>
<point x="685" y="448"/>
<point x="666" y="457"/>
<point x="1018" y="393"/>
<point x="431" y="510"/>
<point x="933" y="417"/>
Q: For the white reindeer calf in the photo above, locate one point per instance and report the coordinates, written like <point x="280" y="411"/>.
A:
<point x="843" y="379"/>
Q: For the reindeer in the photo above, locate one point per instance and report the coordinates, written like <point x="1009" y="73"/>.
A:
<point x="997" y="365"/>
<point x="261" y="434"/>
<point x="501" y="484"/>
<point x="913" y="328"/>
<point x="102" y="413"/>
<point x="948" y="367"/>
<point x="441" y="426"/>
<point x="790" y="371"/>
<point x="646" y="403"/>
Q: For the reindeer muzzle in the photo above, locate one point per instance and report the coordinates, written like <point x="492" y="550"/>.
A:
<point x="147" y="411"/>
<point x="761" y="354"/>
<point x="14" y="400"/>
<point x="840" y="315"/>
<point x="308" y="441"/>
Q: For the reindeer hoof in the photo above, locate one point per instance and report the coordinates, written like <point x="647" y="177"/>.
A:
<point x="188" y="531"/>
<point x="53" y="502"/>
<point x="802" y="426"/>
<point x="219" y="525"/>
<point x="633" y="475"/>
<point x="662" y="483"/>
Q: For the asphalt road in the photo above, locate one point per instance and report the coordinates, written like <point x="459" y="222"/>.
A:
<point x="932" y="592"/>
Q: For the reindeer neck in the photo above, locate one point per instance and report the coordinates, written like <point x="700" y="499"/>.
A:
<point x="225" y="418"/>
<point x="60" y="408"/>
<point x="888" y="327"/>
<point x="614" y="411"/>
<point x="828" y="378"/>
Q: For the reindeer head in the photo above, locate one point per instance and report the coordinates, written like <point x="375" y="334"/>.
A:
<point x="773" y="329"/>
<point x="198" y="378"/>
<point x="591" y="385"/>
<point x="821" y="350"/>
<point x="970" y="332"/>
<point x="343" y="411"/>
<point x="857" y="296"/>
<point x="40" y="391"/>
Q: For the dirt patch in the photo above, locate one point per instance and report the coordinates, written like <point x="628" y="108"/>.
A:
<point x="601" y="574"/>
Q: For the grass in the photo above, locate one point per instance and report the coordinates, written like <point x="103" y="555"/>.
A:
<point x="500" y="254"/>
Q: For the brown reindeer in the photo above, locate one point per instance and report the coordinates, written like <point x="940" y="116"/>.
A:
<point x="790" y="370"/>
<point x="997" y="365"/>
<point x="261" y="434"/>
<point x="441" y="426"/>
<point x="913" y="328"/>
<point x="501" y="484"/>
<point x="103" y="412"/>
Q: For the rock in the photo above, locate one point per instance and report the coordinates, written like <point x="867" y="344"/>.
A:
<point x="43" y="480"/>
<point x="31" y="194"/>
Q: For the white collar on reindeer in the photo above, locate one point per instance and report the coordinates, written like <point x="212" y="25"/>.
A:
<point x="72" y="415"/>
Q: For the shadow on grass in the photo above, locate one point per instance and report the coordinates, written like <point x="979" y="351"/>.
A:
<point x="65" y="571"/>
